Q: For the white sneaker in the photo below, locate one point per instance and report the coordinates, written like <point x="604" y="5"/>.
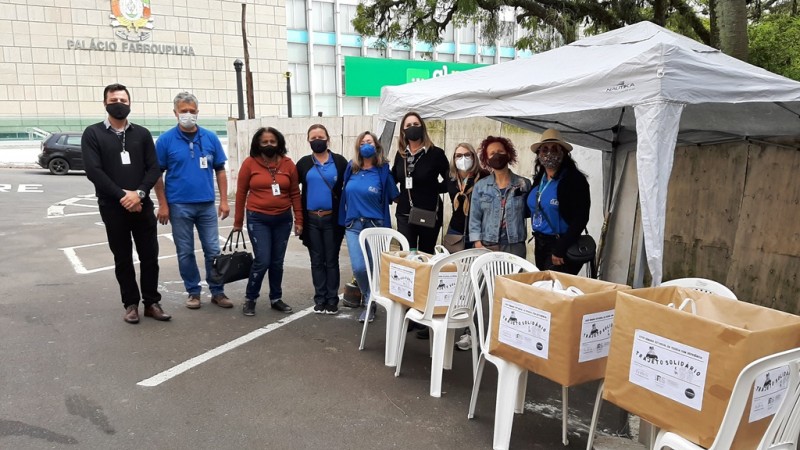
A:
<point x="464" y="342"/>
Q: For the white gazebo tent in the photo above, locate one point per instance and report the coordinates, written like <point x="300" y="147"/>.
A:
<point x="641" y="87"/>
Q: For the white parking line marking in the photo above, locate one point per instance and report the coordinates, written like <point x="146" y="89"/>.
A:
<point x="200" y="359"/>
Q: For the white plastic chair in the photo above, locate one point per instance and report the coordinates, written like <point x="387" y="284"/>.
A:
<point x="512" y="380"/>
<point x="700" y="284"/>
<point x="784" y="428"/>
<point x="459" y="315"/>
<point x="373" y="242"/>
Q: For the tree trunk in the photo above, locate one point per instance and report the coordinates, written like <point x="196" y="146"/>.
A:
<point x="732" y="21"/>
<point x="251" y="104"/>
<point x="660" y="12"/>
<point x="712" y="19"/>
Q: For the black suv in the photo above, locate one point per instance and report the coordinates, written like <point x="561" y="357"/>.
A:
<point x="61" y="152"/>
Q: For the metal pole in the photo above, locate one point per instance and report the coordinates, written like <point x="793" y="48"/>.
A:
<point x="238" y="64"/>
<point x="288" y="76"/>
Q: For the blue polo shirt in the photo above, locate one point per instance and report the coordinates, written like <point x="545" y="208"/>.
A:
<point x="186" y="181"/>
<point x="548" y="216"/>
<point x="364" y="195"/>
<point x="318" y="195"/>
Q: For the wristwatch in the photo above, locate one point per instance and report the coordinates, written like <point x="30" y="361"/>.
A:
<point x="141" y="193"/>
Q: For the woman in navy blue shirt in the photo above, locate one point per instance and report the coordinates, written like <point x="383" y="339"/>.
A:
<point x="321" y="174"/>
<point x="369" y="188"/>
<point x="559" y="203"/>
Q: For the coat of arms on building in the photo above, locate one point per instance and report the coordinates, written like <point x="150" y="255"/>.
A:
<point x="131" y="19"/>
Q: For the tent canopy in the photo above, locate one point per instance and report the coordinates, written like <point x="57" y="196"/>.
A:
<point x="642" y="86"/>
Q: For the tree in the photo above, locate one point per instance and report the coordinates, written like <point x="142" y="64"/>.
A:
<point x="775" y="44"/>
<point x="426" y="20"/>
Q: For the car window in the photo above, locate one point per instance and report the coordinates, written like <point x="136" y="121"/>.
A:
<point x="74" y="140"/>
<point x="62" y="140"/>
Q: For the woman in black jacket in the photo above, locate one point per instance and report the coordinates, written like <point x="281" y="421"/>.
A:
<point x="321" y="174"/>
<point x="422" y="170"/>
<point x="559" y="202"/>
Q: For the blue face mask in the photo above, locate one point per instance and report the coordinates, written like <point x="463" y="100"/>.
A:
<point x="367" y="150"/>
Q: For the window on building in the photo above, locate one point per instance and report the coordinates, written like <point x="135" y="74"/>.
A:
<point x="346" y="15"/>
<point x="466" y="59"/>
<point x="300" y="105"/>
<point x="296" y="14"/>
<point x="400" y="54"/>
<point x="299" y="81"/>
<point x="449" y="35"/>
<point x="351" y="106"/>
<point x="322" y="16"/>
<point x="424" y="56"/>
<point x="446" y="57"/>
<point x="324" y="69"/>
<point x="466" y="34"/>
<point x="507" y="34"/>
<point x="375" y="52"/>
<point x="297" y="53"/>
<point x="326" y="104"/>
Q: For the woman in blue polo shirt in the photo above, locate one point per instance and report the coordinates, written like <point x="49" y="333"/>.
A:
<point x="321" y="174"/>
<point x="368" y="190"/>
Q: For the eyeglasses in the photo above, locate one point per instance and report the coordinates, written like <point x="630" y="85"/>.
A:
<point x="462" y="155"/>
<point x="549" y="148"/>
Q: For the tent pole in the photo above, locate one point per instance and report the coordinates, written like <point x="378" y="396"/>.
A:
<point x="386" y="137"/>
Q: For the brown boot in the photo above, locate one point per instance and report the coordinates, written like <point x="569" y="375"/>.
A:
<point x="156" y="312"/>
<point x="193" y="302"/>
<point x="222" y="301"/>
<point x="131" y="314"/>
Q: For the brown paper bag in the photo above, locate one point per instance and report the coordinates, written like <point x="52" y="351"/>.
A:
<point x="407" y="281"/>
<point x="677" y="370"/>
<point x="562" y="338"/>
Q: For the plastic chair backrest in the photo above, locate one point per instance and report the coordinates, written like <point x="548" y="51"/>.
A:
<point x="482" y="274"/>
<point x="373" y="242"/>
<point x="463" y="301"/>
<point x="784" y="428"/>
<point x="702" y="285"/>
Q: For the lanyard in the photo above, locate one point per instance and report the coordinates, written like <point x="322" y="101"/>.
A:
<point x="541" y="190"/>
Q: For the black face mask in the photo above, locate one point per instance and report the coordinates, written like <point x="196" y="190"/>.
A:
<point x="268" y="150"/>
<point x="118" y="111"/>
<point x="498" y="161"/>
<point x="414" y="133"/>
<point x="319" y="146"/>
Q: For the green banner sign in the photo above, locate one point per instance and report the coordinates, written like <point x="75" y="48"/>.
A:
<point x="364" y="77"/>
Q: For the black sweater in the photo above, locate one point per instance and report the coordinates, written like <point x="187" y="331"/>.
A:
<point x="305" y="164"/>
<point x="574" y="201"/>
<point x="102" y="148"/>
<point x="428" y="169"/>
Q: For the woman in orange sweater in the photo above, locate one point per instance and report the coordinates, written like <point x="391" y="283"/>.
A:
<point x="268" y="187"/>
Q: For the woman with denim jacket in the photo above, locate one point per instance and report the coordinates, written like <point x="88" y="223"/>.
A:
<point x="368" y="190"/>
<point x="559" y="203"/>
<point x="498" y="212"/>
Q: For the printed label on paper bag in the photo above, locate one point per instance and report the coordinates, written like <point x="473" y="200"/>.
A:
<point x="525" y="328"/>
<point x="401" y="281"/>
<point x="669" y="368"/>
<point x="596" y="335"/>
<point x="446" y="288"/>
<point x="768" y="392"/>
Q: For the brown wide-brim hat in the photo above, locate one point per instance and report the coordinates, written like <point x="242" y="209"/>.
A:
<point x="552" y="135"/>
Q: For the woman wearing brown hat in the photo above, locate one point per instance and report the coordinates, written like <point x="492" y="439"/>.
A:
<point x="559" y="203"/>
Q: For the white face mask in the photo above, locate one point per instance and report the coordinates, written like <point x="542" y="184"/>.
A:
<point x="187" y="120"/>
<point x="464" y="163"/>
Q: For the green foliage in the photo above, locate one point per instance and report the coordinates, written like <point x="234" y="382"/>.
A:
<point x="775" y="44"/>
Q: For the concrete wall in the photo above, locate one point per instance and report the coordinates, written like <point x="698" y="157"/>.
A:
<point x="44" y="79"/>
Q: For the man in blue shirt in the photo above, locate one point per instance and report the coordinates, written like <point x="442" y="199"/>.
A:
<point x="192" y="156"/>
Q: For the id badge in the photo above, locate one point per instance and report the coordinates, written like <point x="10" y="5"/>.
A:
<point x="276" y="189"/>
<point x="409" y="183"/>
<point x="203" y="162"/>
<point x="126" y="157"/>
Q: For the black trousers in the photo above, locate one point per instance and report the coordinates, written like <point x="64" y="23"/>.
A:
<point x="121" y="225"/>
<point x="543" y="252"/>
<point x="421" y="238"/>
<point x="323" y="249"/>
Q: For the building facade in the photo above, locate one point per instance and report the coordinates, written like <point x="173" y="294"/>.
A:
<point x="57" y="55"/>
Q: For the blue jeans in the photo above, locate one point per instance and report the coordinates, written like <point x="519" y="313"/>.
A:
<point x="185" y="217"/>
<point x="269" y="236"/>
<point x="357" y="262"/>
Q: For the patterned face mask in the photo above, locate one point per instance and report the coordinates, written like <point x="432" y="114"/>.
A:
<point x="551" y="159"/>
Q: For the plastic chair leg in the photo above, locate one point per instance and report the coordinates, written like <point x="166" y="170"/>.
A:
<point x="474" y="355"/>
<point x="476" y="385"/>
<point x="564" y="414"/>
<point x="521" y="390"/>
<point x="598" y="402"/>
<point x="448" y="348"/>
<point x="394" y="320"/>
<point x="400" y="347"/>
<point x="507" y="398"/>
<point x="364" y="329"/>
<point x="439" y="338"/>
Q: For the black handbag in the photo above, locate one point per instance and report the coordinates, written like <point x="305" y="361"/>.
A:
<point x="583" y="250"/>
<point x="234" y="266"/>
<point x="418" y="216"/>
<point x="454" y="243"/>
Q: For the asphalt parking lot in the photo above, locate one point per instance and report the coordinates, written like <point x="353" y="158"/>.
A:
<point x="70" y="367"/>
